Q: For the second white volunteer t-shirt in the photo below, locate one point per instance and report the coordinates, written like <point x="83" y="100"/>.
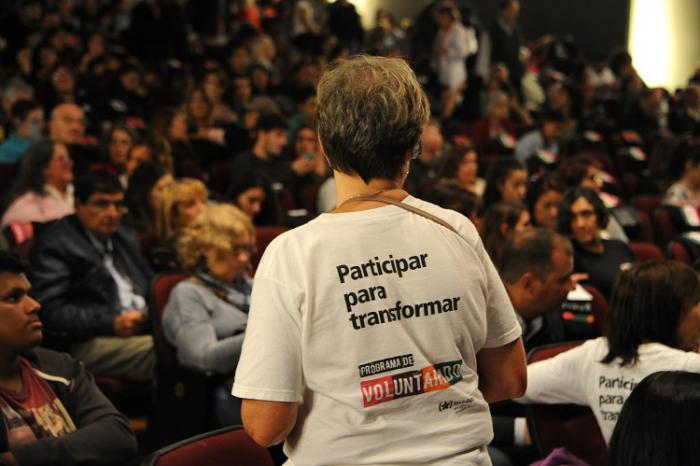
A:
<point x="372" y="321"/>
<point x="577" y="376"/>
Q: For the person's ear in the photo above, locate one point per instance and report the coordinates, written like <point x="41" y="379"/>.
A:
<point x="322" y="149"/>
<point x="529" y="282"/>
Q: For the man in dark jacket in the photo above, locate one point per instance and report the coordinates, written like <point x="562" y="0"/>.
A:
<point x="91" y="279"/>
<point x="53" y="413"/>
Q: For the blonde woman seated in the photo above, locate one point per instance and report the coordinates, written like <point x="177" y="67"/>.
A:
<point x="178" y="207"/>
<point x="206" y="315"/>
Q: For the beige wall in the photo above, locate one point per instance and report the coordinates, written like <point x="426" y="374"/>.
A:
<point x="400" y="8"/>
<point x="664" y="40"/>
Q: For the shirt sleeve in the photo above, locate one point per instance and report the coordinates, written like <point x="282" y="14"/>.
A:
<point x="559" y="379"/>
<point x="270" y="367"/>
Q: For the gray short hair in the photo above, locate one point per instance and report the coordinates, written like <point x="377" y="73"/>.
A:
<point x="371" y="112"/>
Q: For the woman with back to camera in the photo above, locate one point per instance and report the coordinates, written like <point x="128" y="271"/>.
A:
<point x="206" y="315"/>
<point x="653" y="324"/>
<point x="659" y="422"/>
<point x="43" y="189"/>
<point x="365" y="298"/>
<point x="582" y="217"/>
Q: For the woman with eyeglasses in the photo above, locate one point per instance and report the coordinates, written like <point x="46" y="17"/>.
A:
<point x="43" y="189"/>
<point x="206" y="315"/>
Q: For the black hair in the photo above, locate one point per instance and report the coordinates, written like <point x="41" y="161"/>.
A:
<point x="659" y="422"/>
<point x="648" y="302"/>
<point x="98" y="181"/>
<point x="537" y="188"/>
<point x="498" y="175"/>
<point x="501" y="213"/>
<point x="531" y="251"/>
<point x="30" y="176"/>
<point x="454" y="159"/>
<point x="565" y="217"/>
<point x="244" y="180"/>
<point x="450" y="195"/>
<point x="269" y="122"/>
<point x="575" y="170"/>
<point x="685" y="152"/>
<point x="22" y="107"/>
<point x="13" y="263"/>
<point x="138" y="195"/>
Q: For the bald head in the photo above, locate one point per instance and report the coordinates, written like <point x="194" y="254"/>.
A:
<point x="67" y="124"/>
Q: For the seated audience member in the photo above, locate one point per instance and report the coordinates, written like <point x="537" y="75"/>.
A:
<point x="67" y="126"/>
<point x="143" y="197"/>
<point x="251" y="193"/>
<point x="450" y="195"/>
<point x="52" y="411"/>
<point x="506" y="182"/>
<point x="582" y="216"/>
<point x="206" y="315"/>
<point x="90" y="276"/>
<point x="43" y="190"/>
<point x="462" y="166"/>
<point x="142" y="152"/>
<point x="659" y="422"/>
<point x="585" y="171"/>
<point x="178" y="206"/>
<point x="28" y="124"/>
<point x="536" y="268"/>
<point x="424" y="169"/>
<point x="685" y="191"/>
<point x="542" y="200"/>
<point x="495" y="132"/>
<point x="644" y="115"/>
<point x="119" y="141"/>
<point x="652" y="325"/>
<point x="307" y="160"/>
<point x="500" y="222"/>
<point x="543" y="138"/>
<point x="266" y="155"/>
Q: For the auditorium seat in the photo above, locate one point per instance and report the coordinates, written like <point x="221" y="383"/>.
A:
<point x="183" y="396"/>
<point x="227" y="446"/>
<point x="645" y="251"/>
<point x="263" y="237"/>
<point x="564" y="425"/>
<point x="599" y="307"/>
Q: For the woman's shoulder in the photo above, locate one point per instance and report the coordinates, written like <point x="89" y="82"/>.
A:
<point x="459" y="222"/>
<point x="188" y="288"/>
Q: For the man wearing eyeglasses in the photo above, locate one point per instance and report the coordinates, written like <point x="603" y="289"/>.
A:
<point x="92" y="281"/>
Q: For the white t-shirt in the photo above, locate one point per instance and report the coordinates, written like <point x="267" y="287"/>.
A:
<point x="372" y="321"/>
<point x="577" y="376"/>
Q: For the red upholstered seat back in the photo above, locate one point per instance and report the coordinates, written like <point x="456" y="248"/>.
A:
<point x="571" y="426"/>
<point x="229" y="446"/>
<point x="160" y="292"/>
